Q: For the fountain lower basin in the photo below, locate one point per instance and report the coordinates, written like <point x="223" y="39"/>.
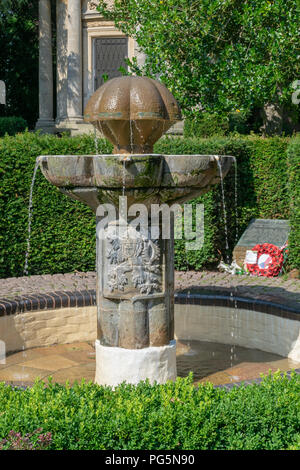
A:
<point x="213" y="339"/>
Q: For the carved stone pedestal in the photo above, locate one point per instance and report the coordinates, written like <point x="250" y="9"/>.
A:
<point x="135" y="298"/>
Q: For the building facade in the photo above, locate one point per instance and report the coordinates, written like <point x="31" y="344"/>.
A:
<point x="87" y="49"/>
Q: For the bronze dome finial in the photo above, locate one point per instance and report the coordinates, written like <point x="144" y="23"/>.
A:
<point x="132" y="112"/>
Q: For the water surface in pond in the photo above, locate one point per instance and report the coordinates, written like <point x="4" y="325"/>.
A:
<point x="214" y="361"/>
<point x="76" y="361"/>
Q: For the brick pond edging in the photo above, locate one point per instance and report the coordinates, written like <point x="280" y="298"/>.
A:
<point x="277" y="296"/>
<point x="86" y="298"/>
<point x="49" y="301"/>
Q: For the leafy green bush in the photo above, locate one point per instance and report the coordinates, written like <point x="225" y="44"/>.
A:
<point x="206" y="125"/>
<point x="19" y="58"/>
<point x="12" y="125"/>
<point x="223" y="55"/>
<point x="63" y="231"/>
<point x="237" y="122"/>
<point x="293" y="153"/>
<point x="171" y="416"/>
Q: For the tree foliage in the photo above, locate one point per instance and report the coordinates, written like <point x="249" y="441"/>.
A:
<point x="19" y="58"/>
<point x="215" y="55"/>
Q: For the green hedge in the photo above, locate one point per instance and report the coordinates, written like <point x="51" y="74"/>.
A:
<point x="171" y="416"/>
<point x="209" y="125"/>
<point x="12" y="125"/>
<point x="294" y="194"/>
<point x="63" y="231"/>
<point x="262" y="166"/>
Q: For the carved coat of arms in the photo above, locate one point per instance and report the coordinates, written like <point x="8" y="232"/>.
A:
<point x="133" y="259"/>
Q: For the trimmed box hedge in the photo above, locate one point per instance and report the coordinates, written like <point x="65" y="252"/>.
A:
<point x="262" y="166"/>
<point x="63" y="231"/>
<point x="157" y="417"/>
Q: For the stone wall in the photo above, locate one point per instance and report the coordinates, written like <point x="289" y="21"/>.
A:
<point x="47" y="327"/>
<point x="241" y="327"/>
<point x="246" y="328"/>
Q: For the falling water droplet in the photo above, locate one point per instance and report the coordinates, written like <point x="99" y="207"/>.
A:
<point x="224" y="208"/>
<point x="30" y="217"/>
<point x="186" y="314"/>
<point x="96" y="140"/>
<point x="123" y="178"/>
<point x="131" y="136"/>
<point x="236" y="200"/>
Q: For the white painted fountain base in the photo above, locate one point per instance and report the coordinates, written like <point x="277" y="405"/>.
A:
<point x="115" y="365"/>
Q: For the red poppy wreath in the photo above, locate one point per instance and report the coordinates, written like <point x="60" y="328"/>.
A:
<point x="269" y="260"/>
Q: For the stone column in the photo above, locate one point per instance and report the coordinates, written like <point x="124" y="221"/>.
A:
<point x="45" y="121"/>
<point x="74" y="94"/>
<point x="61" y="60"/>
<point x="135" y="291"/>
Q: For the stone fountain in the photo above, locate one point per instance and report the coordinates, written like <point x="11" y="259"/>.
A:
<point x="135" y="271"/>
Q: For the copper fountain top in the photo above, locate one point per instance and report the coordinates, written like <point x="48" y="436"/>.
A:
<point x="132" y="112"/>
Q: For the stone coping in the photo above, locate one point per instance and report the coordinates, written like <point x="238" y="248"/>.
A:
<point x="49" y="301"/>
<point x="86" y="298"/>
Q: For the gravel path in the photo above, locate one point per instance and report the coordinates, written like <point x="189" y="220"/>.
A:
<point x="278" y="290"/>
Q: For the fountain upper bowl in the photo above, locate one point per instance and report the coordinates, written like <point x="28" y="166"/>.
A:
<point x="132" y="170"/>
<point x="170" y="177"/>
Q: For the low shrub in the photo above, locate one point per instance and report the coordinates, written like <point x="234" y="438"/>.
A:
<point x="161" y="417"/>
<point x="63" y="231"/>
<point x="12" y="125"/>
<point x="35" y="440"/>
<point x="293" y="153"/>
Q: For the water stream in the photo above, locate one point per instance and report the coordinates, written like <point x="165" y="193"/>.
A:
<point x="224" y="208"/>
<point x="96" y="141"/>
<point x="236" y="200"/>
<point x="131" y="136"/>
<point x="233" y="309"/>
<point x="23" y="376"/>
<point x="30" y="217"/>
